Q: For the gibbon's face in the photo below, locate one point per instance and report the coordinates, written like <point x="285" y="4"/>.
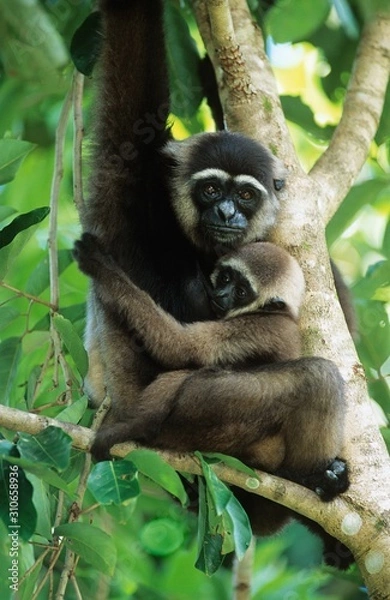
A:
<point x="231" y="291"/>
<point x="257" y="277"/>
<point x="226" y="205"/>
<point x="223" y="189"/>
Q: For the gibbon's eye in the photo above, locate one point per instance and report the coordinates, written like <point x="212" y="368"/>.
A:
<point x="224" y="278"/>
<point x="246" y="194"/>
<point x="241" y="292"/>
<point x="211" y="190"/>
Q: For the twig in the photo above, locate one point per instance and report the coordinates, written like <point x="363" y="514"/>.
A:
<point x="52" y="245"/>
<point x="78" y="134"/>
<point x="76" y="588"/>
<point x="243" y="574"/>
<point x="37" y="562"/>
<point x="21" y="294"/>
<point x="67" y="573"/>
<point x="54" y="197"/>
<point x="49" y="571"/>
<point x="44" y="367"/>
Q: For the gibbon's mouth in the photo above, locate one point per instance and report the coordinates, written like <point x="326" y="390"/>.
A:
<point x="219" y="310"/>
<point x="224" y="234"/>
<point x="225" y="228"/>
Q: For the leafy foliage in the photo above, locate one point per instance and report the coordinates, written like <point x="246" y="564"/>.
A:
<point x="130" y="527"/>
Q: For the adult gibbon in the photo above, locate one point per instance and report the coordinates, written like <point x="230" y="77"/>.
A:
<point x="165" y="211"/>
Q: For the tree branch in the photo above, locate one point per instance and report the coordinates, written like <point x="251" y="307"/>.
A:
<point x="339" y="165"/>
<point x="247" y="86"/>
<point x="367" y="536"/>
<point x="78" y="133"/>
<point x="280" y="490"/>
<point x="308" y="200"/>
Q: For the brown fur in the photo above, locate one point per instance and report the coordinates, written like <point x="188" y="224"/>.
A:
<point x="196" y="393"/>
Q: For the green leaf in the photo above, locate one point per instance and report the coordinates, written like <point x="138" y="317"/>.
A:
<point x="386" y="242"/>
<point x="383" y="132"/>
<point x="382" y="294"/>
<point x="74" y="412"/>
<point x="7" y="315"/>
<point x="87" y="43"/>
<point x="294" y="20"/>
<point x="298" y="112"/>
<point x="209" y="542"/>
<point x="12" y="153"/>
<point x="45" y="474"/>
<point x="17" y="510"/>
<point x="220" y="494"/>
<point x="39" y="279"/>
<point x="385" y="431"/>
<point x="374" y="329"/>
<point x="379" y="390"/>
<point x="5" y="212"/>
<point x="231" y="461"/>
<point x="41" y="471"/>
<point x="113" y="482"/>
<point x="153" y="466"/>
<point x="22" y="222"/>
<point x="183" y="62"/>
<point x="242" y="531"/>
<point x="358" y="197"/>
<point x="71" y="313"/>
<point x="90" y="543"/>
<point x="377" y="277"/>
<point x="50" y="447"/>
<point x="10" y="354"/>
<point x="42" y="498"/>
<point x="18" y="232"/>
<point x="339" y="51"/>
<point x="73" y="343"/>
<point x="161" y="537"/>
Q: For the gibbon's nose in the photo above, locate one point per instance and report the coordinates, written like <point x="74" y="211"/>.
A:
<point x="222" y="299"/>
<point x="226" y="210"/>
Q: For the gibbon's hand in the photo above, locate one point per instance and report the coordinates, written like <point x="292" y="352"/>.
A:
<point x="90" y="256"/>
<point x="331" y="482"/>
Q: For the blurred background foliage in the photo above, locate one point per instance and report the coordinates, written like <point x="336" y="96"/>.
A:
<point x="311" y="46"/>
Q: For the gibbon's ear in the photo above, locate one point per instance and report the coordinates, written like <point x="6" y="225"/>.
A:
<point x="280" y="173"/>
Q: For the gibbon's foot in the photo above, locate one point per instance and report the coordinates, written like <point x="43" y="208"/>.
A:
<point x="100" y="452"/>
<point x="337" y="555"/>
<point x="90" y="255"/>
<point x="331" y="482"/>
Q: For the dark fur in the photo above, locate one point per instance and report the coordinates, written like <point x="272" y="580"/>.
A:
<point x="132" y="212"/>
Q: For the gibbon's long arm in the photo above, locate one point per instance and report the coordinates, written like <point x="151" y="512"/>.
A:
<point x="130" y="115"/>
<point x="266" y="337"/>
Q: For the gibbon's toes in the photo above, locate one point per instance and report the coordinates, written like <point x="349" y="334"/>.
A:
<point x="99" y="451"/>
<point x="337" y="554"/>
<point x="333" y="481"/>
